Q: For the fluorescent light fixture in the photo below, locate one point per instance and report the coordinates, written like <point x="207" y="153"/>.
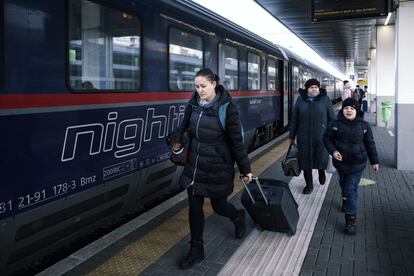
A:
<point x="268" y="27"/>
<point x="388" y="19"/>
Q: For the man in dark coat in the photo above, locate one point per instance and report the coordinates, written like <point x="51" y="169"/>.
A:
<point x="312" y="113"/>
<point x="350" y="141"/>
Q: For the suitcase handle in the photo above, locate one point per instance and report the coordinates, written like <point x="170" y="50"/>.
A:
<point x="256" y="179"/>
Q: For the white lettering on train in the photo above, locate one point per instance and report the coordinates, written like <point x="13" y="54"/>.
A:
<point x="123" y="138"/>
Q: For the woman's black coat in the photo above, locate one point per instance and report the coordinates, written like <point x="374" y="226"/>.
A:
<point x="213" y="150"/>
<point x="308" y="124"/>
<point x="354" y="141"/>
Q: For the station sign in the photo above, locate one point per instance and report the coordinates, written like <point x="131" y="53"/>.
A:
<point x="328" y="10"/>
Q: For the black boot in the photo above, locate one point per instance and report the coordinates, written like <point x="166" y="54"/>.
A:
<point x="309" y="182"/>
<point x="240" y="224"/>
<point x="195" y="255"/>
<point x="350" y="224"/>
<point x="322" y="177"/>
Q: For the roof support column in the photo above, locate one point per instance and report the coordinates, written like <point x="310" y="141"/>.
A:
<point x="404" y="87"/>
<point x="385" y="80"/>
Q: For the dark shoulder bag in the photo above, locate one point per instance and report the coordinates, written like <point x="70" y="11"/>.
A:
<point x="290" y="164"/>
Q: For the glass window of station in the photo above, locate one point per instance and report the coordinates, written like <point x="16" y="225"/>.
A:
<point x="185" y="59"/>
<point x="271" y="74"/>
<point x="228" y="66"/>
<point x="253" y="71"/>
<point x="104" y="48"/>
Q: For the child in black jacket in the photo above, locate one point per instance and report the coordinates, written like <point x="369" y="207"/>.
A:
<point x="350" y="141"/>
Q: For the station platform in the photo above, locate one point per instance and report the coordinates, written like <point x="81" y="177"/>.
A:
<point x="384" y="244"/>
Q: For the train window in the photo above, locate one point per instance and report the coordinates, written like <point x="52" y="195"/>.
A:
<point x="185" y="59"/>
<point x="295" y="83"/>
<point x="271" y="74"/>
<point x="229" y="66"/>
<point x="253" y="71"/>
<point x="104" y="48"/>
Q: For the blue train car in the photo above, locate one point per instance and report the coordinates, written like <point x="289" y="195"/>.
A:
<point x="88" y="92"/>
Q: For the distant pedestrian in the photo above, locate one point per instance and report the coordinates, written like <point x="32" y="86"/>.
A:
<point x="346" y="91"/>
<point x="350" y="141"/>
<point x="313" y="110"/>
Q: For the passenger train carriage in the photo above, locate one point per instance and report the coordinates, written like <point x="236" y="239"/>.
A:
<point x="90" y="89"/>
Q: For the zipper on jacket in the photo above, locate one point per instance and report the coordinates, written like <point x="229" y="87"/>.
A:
<point x="198" y="150"/>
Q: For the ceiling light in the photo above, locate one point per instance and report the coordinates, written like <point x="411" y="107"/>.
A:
<point x="388" y="19"/>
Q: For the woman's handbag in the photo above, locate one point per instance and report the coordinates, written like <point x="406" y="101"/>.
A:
<point x="179" y="157"/>
<point x="290" y="164"/>
<point x="330" y="167"/>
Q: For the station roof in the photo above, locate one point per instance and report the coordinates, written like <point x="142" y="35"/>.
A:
<point x="336" y="41"/>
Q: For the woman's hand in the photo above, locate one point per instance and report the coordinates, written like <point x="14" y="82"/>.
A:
<point x="176" y="146"/>
<point x="375" y="167"/>
<point x="337" y="155"/>
<point x="248" y="177"/>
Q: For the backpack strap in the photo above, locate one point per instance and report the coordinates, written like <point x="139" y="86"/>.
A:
<point x="223" y="109"/>
<point x="187" y="115"/>
<point x="223" y="114"/>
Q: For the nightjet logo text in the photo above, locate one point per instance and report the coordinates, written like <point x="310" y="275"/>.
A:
<point x="122" y="137"/>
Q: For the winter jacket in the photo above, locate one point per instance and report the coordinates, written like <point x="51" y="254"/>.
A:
<point x="354" y="141"/>
<point x="346" y="92"/>
<point x="308" y="124"/>
<point x="213" y="150"/>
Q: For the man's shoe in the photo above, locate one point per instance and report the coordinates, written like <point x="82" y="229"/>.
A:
<point x="195" y="255"/>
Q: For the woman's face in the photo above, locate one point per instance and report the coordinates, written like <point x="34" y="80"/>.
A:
<point x="313" y="90"/>
<point x="349" y="112"/>
<point x="205" y="88"/>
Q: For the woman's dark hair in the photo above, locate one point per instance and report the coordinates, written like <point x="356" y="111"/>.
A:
<point x="208" y="74"/>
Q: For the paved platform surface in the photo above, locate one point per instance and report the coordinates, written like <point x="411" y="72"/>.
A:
<point x="384" y="244"/>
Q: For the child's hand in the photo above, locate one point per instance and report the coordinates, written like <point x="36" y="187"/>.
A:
<point x="337" y="155"/>
<point x="375" y="167"/>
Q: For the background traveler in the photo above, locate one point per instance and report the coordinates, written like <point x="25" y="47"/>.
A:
<point x="313" y="110"/>
<point x="346" y="91"/>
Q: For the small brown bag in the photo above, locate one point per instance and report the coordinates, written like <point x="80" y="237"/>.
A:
<point x="180" y="157"/>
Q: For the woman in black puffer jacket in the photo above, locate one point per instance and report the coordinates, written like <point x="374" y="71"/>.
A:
<point x="350" y="141"/>
<point x="209" y="169"/>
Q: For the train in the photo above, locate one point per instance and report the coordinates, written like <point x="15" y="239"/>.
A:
<point x="89" y="90"/>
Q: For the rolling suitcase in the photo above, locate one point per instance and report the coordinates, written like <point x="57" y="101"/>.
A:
<point x="271" y="205"/>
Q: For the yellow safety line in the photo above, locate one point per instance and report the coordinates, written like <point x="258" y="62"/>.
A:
<point x="134" y="258"/>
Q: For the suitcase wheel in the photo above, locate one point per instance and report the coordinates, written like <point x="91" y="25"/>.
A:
<point x="258" y="227"/>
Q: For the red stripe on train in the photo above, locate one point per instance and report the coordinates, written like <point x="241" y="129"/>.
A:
<point x="70" y="99"/>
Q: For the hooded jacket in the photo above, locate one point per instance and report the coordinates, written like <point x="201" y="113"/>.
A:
<point x="214" y="150"/>
<point x="354" y="141"/>
<point x="309" y="121"/>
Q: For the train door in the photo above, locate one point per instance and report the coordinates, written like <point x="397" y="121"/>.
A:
<point x="287" y="95"/>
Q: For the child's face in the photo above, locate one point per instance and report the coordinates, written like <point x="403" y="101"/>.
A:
<point x="349" y="112"/>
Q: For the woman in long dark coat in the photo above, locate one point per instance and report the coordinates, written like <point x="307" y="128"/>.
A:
<point x="311" y="115"/>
